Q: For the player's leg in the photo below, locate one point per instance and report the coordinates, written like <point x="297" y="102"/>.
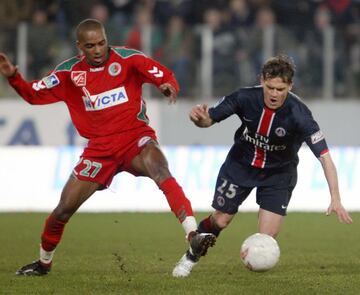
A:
<point x="152" y="163"/>
<point x="273" y="201"/>
<point x="75" y="193"/>
<point x="227" y="198"/>
<point x="269" y="222"/>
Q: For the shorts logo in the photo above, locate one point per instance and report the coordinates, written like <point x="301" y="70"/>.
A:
<point x="79" y="78"/>
<point x="51" y="81"/>
<point x="114" y="69"/>
<point x="317" y="136"/>
<point x="105" y="100"/>
<point x="280" y="132"/>
<point x="220" y="200"/>
<point x="144" y="140"/>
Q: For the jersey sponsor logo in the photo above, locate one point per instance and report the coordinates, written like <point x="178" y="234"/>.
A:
<point x="79" y="78"/>
<point x="106" y="99"/>
<point x="280" y="132"/>
<point x="114" y="69"/>
<point x="262" y="142"/>
<point x="156" y="72"/>
<point x="317" y="136"/>
<point x="99" y="69"/>
<point x="51" y="81"/>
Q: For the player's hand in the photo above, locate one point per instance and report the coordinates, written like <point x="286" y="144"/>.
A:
<point x="169" y="91"/>
<point x="200" y="116"/>
<point x="7" y="69"/>
<point x="342" y="214"/>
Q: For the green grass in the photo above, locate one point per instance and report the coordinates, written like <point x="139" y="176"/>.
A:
<point x="134" y="253"/>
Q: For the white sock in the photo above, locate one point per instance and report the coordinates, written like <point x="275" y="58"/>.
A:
<point x="189" y="224"/>
<point x="46" y="256"/>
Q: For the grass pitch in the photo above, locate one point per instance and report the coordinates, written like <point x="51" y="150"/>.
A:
<point x="134" y="253"/>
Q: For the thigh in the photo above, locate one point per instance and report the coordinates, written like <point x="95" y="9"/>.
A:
<point x="274" y="199"/>
<point x="229" y="195"/>
<point x="151" y="162"/>
<point x="75" y="193"/>
<point x="276" y="195"/>
<point x="269" y="222"/>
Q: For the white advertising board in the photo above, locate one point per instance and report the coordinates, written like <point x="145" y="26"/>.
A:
<point x="32" y="179"/>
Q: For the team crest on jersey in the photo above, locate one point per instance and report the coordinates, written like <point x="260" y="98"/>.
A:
<point x="105" y="99"/>
<point x="114" y="69"/>
<point x="280" y="132"/>
<point x="51" y="81"/>
<point x="79" y="78"/>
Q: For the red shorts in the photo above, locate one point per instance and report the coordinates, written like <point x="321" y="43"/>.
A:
<point x="104" y="157"/>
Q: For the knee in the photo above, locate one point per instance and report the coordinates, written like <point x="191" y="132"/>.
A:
<point x="63" y="212"/>
<point x="161" y="174"/>
<point x="221" y="220"/>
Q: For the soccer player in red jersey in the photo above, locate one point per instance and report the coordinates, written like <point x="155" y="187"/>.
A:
<point x="102" y="90"/>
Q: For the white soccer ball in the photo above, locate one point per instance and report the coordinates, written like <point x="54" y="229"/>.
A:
<point x="260" y="252"/>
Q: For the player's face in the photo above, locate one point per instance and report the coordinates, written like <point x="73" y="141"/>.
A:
<point x="275" y="92"/>
<point x="93" y="44"/>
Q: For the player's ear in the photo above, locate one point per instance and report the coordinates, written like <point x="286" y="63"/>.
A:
<point x="290" y="86"/>
<point x="78" y="45"/>
<point x="262" y="80"/>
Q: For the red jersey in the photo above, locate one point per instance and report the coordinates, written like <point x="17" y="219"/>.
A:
<point x="103" y="100"/>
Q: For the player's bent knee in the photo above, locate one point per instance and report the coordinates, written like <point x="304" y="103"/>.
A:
<point x="221" y="220"/>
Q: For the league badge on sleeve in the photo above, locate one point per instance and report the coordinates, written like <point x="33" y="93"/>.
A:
<point x="317" y="136"/>
<point x="51" y="81"/>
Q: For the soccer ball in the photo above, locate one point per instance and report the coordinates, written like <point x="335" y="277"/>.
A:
<point x="260" y="252"/>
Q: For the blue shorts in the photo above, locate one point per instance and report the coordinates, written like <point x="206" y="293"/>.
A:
<point x="235" y="182"/>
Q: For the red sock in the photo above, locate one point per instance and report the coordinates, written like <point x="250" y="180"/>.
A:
<point x="52" y="233"/>
<point x="207" y="226"/>
<point x="176" y="198"/>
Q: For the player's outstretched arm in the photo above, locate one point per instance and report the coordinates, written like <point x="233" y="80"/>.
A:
<point x="200" y="116"/>
<point x="7" y="69"/>
<point x="332" y="180"/>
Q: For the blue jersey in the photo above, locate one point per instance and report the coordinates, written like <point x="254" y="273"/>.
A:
<point x="269" y="138"/>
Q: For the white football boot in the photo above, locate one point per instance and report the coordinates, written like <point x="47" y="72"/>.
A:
<point x="183" y="267"/>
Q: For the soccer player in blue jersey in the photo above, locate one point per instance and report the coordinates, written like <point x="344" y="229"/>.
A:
<point x="274" y="124"/>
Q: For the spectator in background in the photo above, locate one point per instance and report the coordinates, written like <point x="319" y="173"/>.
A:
<point x="315" y="53"/>
<point x="241" y="13"/>
<point x="41" y="34"/>
<point x="101" y="12"/>
<point x="267" y="37"/>
<point x="136" y="32"/>
<point x="177" y="51"/>
<point x="224" y="51"/>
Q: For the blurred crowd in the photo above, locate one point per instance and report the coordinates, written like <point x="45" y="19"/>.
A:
<point x="295" y="28"/>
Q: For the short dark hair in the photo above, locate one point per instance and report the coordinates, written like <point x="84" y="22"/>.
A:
<point x="280" y="66"/>
<point x="88" y="25"/>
